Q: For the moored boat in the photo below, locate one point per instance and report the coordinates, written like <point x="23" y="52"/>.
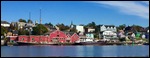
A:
<point x="34" y="43"/>
<point x="145" y="43"/>
<point x="91" y="43"/>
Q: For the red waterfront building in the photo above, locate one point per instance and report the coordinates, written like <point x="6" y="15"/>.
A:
<point x="58" y="36"/>
<point x="54" y="36"/>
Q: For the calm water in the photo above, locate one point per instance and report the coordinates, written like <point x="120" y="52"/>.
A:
<point x="74" y="51"/>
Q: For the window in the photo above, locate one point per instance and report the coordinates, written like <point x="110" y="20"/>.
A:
<point x="22" y="39"/>
<point x="68" y="40"/>
<point x="57" y="35"/>
<point x="32" y="39"/>
<point x="11" y="41"/>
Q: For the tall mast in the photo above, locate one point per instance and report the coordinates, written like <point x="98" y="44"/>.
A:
<point x="40" y="21"/>
<point x="29" y="15"/>
<point x="29" y="19"/>
<point x="40" y="17"/>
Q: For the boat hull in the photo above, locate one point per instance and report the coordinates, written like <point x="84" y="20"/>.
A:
<point x="90" y="43"/>
<point x="146" y="44"/>
<point x="27" y="43"/>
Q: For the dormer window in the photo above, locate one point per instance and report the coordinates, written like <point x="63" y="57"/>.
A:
<point x="57" y="35"/>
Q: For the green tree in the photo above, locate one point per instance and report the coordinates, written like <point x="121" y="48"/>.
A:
<point x="22" y="20"/>
<point x="39" y="30"/>
<point x="92" y="24"/>
<point x="137" y="28"/>
<point x="50" y="24"/>
<point x="73" y="30"/>
<point x="23" y="32"/>
<point x="97" y="29"/>
<point x="121" y="27"/>
<point x="3" y="30"/>
<point x="13" y="27"/>
<point x="30" y="21"/>
<point x="81" y="25"/>
<point x="62" y="27"/>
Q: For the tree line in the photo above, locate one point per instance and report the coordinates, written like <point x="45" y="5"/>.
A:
<point x="41" y="29"/>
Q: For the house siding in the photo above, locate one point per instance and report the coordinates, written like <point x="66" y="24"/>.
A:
<point x="61" y="37"/>
<point x="23" y="38"/>
<point x="58" y="34"/>
<point x="74" y="38"/>
<point x="14" y="38"/>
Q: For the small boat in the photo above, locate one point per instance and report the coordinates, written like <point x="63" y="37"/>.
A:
<point x="145" y="43"/>
<point x="91" y="43"/>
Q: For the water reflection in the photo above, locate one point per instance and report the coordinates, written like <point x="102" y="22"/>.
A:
<point x="74" y="51"/>
<point x="108" y="51"/>
<point x="79" y="51"/>
<point x="89" y="51"/>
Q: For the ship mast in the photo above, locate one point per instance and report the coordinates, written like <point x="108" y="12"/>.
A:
<point x="29" y="15"/>
<point x="40" y="17"/>
<point x="40" y="22"/>
<point x="28" y="22"/>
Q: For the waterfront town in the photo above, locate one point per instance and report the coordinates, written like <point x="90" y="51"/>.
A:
<point x="29" y="32"/>
<point x="75" y="29"/>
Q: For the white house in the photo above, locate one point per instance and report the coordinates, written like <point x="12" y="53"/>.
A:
<point x="108" y="31"/>
<point x="20" y="24"/>
<point x="108" y="28"/>
<point x="5" y="24"/>
<point x="80" y="29"/>
<point x="91" y="30"/>
<point x="109" y="35"/>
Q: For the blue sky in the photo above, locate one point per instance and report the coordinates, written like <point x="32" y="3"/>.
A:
<point x="80" y="12"/>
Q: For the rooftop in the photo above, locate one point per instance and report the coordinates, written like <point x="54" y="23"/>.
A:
<point x="4" y="22"/>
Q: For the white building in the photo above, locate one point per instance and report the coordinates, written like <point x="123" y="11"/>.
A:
<point x="108" y="28"/>
<point x="80" y="29"/>
<point x="20" y="24"/>
<point x="108" y="31"/>
<point x="5" y="24"/>
<point x="91" y="30"/>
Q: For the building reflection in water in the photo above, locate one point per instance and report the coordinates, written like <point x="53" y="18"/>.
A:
<point x="79" y="51"/>
<point x="108" y="51"/>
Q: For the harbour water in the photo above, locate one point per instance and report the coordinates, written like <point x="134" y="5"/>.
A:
<point x="75" y="51"/>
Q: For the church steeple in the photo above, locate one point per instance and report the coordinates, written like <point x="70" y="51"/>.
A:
<point x="71" y="23"/>
<point x="71" y="26"/>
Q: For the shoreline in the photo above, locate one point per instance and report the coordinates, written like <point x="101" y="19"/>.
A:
<point x="75" y="45"/>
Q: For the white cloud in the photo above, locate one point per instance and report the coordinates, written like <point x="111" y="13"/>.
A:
<point x="146" y="2"/>
<point x="129" y="7"/>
